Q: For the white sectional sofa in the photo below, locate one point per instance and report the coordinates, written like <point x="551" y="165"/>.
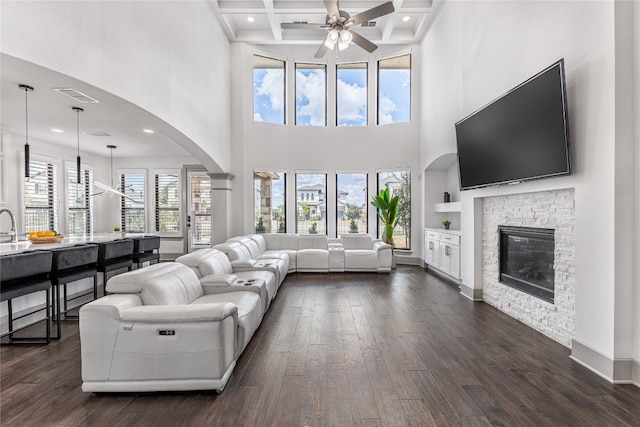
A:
<point x="183" y="325"/>
<point x="160" y="330"/>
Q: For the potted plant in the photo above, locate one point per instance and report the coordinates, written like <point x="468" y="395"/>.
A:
<point x="387" y="212"/>
<point x="446" y="224"/>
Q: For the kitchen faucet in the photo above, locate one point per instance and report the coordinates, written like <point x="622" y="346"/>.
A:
<point x="12" y="232"/>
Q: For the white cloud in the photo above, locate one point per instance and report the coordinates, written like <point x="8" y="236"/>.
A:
<point x="385" y="107"/>
<point x="272" y="86"/>
<point x="257" y="117"/>
<point x="352" y="102"/>
<point x="311" y="88"/>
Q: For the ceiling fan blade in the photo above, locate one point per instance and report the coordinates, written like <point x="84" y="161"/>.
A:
<point x="332" y="8"/>
<point x="373" y="13"/>
<point x="362" y="42"/>
<point x="322" y="51"/>
<point x="301" y="26"/>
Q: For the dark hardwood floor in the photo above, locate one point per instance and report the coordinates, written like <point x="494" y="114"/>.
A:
<point x="399" y="349"/>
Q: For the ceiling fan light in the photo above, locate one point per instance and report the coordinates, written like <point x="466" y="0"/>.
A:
<point x="331" y="39"/>
<point x="342" y="45"/>
<point x="346" y="36"/>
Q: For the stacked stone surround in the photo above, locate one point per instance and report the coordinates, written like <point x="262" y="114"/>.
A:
<point x="546" y="209"/>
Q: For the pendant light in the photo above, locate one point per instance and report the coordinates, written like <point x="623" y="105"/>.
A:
<point x="78" y="110"/>
<point x="105" y="187"/>
<point x="26" y="89"/>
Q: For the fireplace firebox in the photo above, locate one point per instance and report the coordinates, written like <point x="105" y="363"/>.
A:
<point x="526" y="260"/>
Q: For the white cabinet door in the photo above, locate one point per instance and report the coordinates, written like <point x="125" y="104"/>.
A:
<point x="432" y="252"/>
<point x="454" y="257"/>
<point x="445" y="258"/>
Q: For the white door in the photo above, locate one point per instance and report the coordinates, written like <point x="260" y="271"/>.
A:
<point x="198" y="210"/>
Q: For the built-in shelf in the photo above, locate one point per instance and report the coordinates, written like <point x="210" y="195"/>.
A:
<point x="448" y="207"/>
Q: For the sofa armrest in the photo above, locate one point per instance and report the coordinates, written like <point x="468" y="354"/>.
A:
<point x="380" y="245"/>
<point x="217" y="281"/>
<point x="243" y="263"/>
<point x="180" y="313"/>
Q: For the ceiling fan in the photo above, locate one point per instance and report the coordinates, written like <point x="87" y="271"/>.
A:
<point x="338" y="23"/>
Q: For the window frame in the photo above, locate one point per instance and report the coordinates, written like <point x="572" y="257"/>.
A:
<point x="52" y="194"/>
<point x="365" y="214"/>
<point x="297" y="219"/>
<point x="257" y="210"/>
<point x="366" y="88"/>
<point x="121" y="176"/>
<point x="267" y="58"/>
<point x="310" y="65"/>
<point x="378" y="68"/>
<point x="70" y="169"/>
<point x="378" y="225"/>
<point x="157" y="210"/>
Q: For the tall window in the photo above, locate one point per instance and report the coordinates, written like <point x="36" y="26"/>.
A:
<point x="79" y="201"/>
<point x="394" y="90"/>
<point x="399" y="184"/>
<point x="40" y="197"/>
<point x="351" y="94"/>
<point x="268" y="90"/>
<point x="311" y="211"/>
<point x="132" y="212"/>
<point x="311" y="95"/>
<point x="167" y="201"/>
<point x="269" y="202"/>
<point x="200" y="208"/>
<point x="351" y="206"/>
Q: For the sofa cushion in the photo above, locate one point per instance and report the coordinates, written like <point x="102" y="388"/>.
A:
<point x="313" y="242"/>
<point x="360" y="259"/>
<point x="206" y="261"/>
<point x="356" y="241"/>
<point x="164" y="284"/>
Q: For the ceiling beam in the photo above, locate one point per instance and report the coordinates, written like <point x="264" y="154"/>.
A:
<point x="273" y="21"/>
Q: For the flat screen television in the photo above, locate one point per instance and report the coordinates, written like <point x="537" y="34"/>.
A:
<point x="522" y="135"/>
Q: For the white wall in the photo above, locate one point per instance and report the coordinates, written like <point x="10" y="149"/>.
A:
<point x="329" y="149"/>
<point x="168" y="57"/>
<point x="500" y="44"/>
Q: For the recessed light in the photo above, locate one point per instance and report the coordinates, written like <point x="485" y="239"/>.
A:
<point x="148" y="131"/>
<point x="406" y="18"/>
<point x="56" y="130"/>
<point x="250" y="19"/>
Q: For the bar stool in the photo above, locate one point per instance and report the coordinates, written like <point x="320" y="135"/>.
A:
<point x="144" y="249"/>
<point x="23" y="274"/>
<point x="114" y="255"/>
<point x="70" y="264"/>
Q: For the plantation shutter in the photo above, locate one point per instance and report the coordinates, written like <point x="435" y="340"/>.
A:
<point x="40" y="197"/>
<point x="167" y="202"/>
<point x="132" y="207"/>
<point x="79" y="202"/>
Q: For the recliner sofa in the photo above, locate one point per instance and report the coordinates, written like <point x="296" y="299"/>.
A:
<point x="159" y="330"/>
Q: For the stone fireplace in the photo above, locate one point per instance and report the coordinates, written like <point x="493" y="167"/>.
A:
<point x="537" y="283"/>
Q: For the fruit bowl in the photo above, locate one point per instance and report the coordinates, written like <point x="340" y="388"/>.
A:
<point x="46" y="239"/>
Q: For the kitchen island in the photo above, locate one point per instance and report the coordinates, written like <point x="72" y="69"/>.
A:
<point x="17" y="247"/>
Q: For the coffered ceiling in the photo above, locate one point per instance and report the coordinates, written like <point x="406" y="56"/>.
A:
<point x="258" y="21"/>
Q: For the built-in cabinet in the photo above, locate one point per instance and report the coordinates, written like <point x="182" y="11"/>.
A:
<point x="442" y="251"/>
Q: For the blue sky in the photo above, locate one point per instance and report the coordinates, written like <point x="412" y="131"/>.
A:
<point x="311" y="96"/>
